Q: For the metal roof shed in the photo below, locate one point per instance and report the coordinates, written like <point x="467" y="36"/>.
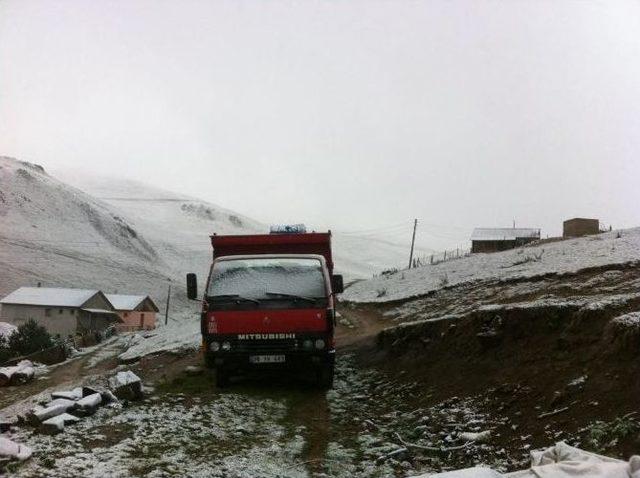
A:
<point x="495" y="239"/>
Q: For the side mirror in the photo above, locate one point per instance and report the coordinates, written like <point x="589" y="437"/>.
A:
<point x="192" y="286"/>
<point x="337" y="284"/>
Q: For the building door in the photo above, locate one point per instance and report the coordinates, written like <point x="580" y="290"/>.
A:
<point x="142" y="321"/>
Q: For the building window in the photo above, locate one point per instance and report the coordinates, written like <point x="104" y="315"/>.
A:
<point x="47" y="312"/>
<point x="72" y="311"/>
<point x="61" y="311"/>
<point x="126" y="314"/>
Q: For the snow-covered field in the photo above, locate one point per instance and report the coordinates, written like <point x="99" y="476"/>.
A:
<point x="616" y="247"/>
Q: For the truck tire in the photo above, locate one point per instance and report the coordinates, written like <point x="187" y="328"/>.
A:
<point x="325" y="377"/>
<point x="208" y="360"/>
<point x="222" y="378"/>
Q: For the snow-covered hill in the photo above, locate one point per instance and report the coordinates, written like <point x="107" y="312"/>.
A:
<point x="55" y="234"/>
<point x="616" y="247"/>
<point x="124" y="236"/>
<point x="179" y="224"/>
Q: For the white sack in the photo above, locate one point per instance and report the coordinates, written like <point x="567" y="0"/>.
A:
<point x="477" y="472"/>
<point x="43" y="414"/>
<point x="89" y="404"/>
<point x="559" y="461"/>
<point x="75" y="394"/>
<point x="15" y="450"/>
<point x="564" y="461"/>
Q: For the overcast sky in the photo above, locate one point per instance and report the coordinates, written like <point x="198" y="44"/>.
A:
<point x="349" y="114"/>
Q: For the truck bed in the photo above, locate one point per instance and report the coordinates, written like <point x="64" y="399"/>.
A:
<point x="304" y="243"/>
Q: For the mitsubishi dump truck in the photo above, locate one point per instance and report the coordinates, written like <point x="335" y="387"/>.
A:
<point x="269" y="304"/>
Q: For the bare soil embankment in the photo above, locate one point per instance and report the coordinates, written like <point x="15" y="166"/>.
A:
<point x="545" y="355"/>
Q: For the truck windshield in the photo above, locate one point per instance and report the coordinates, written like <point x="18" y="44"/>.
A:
<point x="268" y="280"/>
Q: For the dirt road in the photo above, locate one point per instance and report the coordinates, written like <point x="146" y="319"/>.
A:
<point x="92" y="361"/>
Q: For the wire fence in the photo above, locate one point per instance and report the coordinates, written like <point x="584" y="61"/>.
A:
<point x="439" y="257"/>
<point x="430" y="260"/>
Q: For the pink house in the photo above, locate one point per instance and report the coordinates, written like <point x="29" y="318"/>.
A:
<point x="138" y="312"/>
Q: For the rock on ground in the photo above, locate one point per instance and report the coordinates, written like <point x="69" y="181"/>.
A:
<point x="88" y="405"/>
<point x="56" y="424"/>
<point x="126" y="385"/>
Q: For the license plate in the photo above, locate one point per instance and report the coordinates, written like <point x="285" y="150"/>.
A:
<point x="266" y="359"/>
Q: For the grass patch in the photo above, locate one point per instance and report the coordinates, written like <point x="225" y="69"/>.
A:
<point x="605" y="435"/>
<point x="202" y="384"/>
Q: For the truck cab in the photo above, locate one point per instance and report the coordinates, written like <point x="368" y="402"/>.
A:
<point x="269" y="303"/>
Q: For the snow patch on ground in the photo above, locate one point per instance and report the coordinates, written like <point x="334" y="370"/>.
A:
<point x="7" y="329"/>
<point x="172" y="438"/>
<point x="631" y="320"/>
<point x="176" y="337"/>
<point x="108" y="350"/>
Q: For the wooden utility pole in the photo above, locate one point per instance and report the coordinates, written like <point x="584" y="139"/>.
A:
<point x="166" y="310"/>
<point x="413" y="241"/>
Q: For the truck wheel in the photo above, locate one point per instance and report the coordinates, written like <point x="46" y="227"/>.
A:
<point x="325" y="377"/>
<point x="208" y="360"/>
<point x="222" y="378"/>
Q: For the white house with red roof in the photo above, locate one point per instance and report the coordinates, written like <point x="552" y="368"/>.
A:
<point x="137" y="312"/>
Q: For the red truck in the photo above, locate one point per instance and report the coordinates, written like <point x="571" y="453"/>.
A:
<point x="269" y="303"/>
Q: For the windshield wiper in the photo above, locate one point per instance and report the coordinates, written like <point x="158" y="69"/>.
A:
<point x="291" y="296"/>
<point x="234" y="297"/>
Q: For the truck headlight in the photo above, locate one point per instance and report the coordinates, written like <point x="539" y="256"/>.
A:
<point x="319" y="344"/>
<point x="307" y="344"/>
<point x="226" y="346"/>
<point x="214" y="346"/>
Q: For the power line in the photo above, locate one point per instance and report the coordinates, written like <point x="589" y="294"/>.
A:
<point x="407" y="225"/>
<point x="377" y="229"/>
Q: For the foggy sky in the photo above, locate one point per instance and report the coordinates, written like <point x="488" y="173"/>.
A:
<point x="349" y="114"/>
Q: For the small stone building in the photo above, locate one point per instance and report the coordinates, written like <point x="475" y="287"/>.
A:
<point x="62" y="312"/>
<point x="498" y="239"/>
<point x="580" y="226"/>
<point x="137" y="312"/>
